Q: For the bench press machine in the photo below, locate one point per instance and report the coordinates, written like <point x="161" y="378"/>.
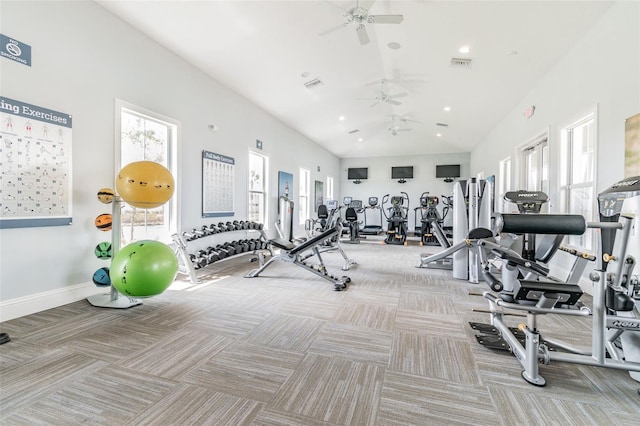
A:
<point x="615" y="314"/>
<point x="298" y="254"/>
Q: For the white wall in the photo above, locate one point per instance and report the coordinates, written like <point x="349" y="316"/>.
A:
<point x="83" y="58"/>
<point x="602" y="71"/>
<point x="379" y="181"/>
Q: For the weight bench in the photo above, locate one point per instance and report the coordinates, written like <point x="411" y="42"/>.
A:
<point x="297" y="254"/>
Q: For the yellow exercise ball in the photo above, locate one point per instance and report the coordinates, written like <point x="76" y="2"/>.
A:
<point x="145" y="184"/>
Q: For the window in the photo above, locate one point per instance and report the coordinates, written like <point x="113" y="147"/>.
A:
<point x="578" y="174"/>
<point x="258" y="172"/>
<point x="145" y="135"/>
<point x="535" y="165"/>
<point x="305" y="179"/>
<point x="329" y="188"/>
<point x="504" y="182"/>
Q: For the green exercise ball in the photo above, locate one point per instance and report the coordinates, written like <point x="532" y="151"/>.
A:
<point x="143" y="268"/>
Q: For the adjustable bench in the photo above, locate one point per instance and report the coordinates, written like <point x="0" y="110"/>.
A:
<point x="297" y="254"/>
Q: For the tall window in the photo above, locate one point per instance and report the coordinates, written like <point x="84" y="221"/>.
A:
<point x="258" y="172"/>
<point x="578" y="173"/>
<point x="305" y="180"/>
<point x="329" y="188"/>
<point x="147" y="136"/>
<point x="535" y="162"/>
<point x="504" y="182"/>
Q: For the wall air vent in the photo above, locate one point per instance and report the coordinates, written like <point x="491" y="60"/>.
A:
<point x="313" y="84"/>
<point x="353" y="131"/>
<point x="461" y="63"/>
<point x="442" y="124"/>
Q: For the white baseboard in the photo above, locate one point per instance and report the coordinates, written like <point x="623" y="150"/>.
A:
<point x="21" y="306"/>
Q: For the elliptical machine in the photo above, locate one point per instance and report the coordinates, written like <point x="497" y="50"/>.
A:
<point x="430" y="219"/>
<point x="396" y="216"/>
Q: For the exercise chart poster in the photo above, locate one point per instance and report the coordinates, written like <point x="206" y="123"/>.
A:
<point x="217" y="184"/>
<point x="35" y="159"/>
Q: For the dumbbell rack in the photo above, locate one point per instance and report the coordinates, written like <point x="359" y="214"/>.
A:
<point x="181" y="241"/>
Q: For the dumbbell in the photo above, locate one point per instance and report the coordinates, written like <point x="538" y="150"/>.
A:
<point x="188" y="236"/>
<point x="237" y="225"/>
<point x="198" y="233"/>
<point x="231" y="226"/>
<point x="198" y="262"/>
<point x="222" y="227"/>
<point x="206" y="230"/>
<point x="258" y="226"/>
<point x="212" y="255"/>
<point x="213" y="229"/>
<point x="252" y="245"/>
<point x="222" y="251"/>
<point x="245" y="245"/>
<point x="238" y="246"/>
<point x="231" y="250"/>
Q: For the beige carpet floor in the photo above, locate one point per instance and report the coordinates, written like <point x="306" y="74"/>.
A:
<point x="394" y="348"/>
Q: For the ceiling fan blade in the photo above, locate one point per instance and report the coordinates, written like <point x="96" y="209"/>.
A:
<point x="365" y="4"/>
<point x="393" y="102"/>
<point x="339" y="7"/>
<point x="336" y="28"/>
<point x="385" y="19"/>
<point x="398" y="95"/>
<point x="362" y="34"/>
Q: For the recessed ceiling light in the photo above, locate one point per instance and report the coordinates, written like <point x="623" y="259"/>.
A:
<point x="360" y="139"/>
<point x="341" y="118"/>
<point x="438" y="134"/>
<point x="394" y="45"/>
<point x="464" y="49"/>
<point x="447" y="108"/>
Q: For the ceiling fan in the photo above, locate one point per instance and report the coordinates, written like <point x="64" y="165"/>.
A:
<point x="383" y="96"/>
<point x="358" y="15"/>
<point x="397" y="121"/>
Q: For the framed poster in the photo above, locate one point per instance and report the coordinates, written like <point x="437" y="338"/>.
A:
<point x="632" y="146"/>
<point x="217" y="184"/>
<point x="285" y="185"/>
<point x="35" y="158"/>
<point x="318" y="195"/>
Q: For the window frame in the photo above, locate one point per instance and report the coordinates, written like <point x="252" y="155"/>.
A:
<point x="304" y="195"/>
<point x="265" y="187"/>
<point x="565" y="183"/>
<point x="174" y="134"/>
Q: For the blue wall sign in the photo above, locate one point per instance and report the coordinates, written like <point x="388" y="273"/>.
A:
<point x="15" y="50"/>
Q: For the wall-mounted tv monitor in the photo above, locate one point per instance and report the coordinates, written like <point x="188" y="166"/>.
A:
<point x="404" y="172"/>
<point x="448" y="171"/>
<point x="357" y="173"/>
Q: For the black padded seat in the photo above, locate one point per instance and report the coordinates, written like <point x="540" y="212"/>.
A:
<point x="567" y="294"/>
<point x="479" y="233"/>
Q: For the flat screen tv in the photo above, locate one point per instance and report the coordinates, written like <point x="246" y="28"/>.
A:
<point x="448" y="171"/>
<point x="404" y="172"/>
<point x="357" y="173"/>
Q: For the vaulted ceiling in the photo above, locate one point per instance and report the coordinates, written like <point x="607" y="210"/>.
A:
<point x="307" y="63"/>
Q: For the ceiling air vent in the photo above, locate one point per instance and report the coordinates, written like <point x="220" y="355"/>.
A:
<point x="442" y="124"/>
<point x="313" y="84"/>
<point x="353" y="131"/>
<point x="461" y="63"/>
